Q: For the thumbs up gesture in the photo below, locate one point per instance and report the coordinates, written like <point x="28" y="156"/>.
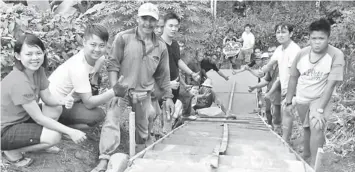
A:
<point x="68" y="101"/>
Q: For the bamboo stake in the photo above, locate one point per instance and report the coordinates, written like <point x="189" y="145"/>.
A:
<point x="132" y="132"/>
<point x="319" y="157"/>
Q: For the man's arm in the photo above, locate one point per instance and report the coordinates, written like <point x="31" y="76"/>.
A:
<point x="269" y="66"/>
<point x="182" y="65"/>
<point x="292" y="83"/>
<point x="220" y="73"/>
<point x="162" y="75"/>
<point x="114" y="65"/>
<point x="336" y="75"/>
<point x="275" y="86"/>
<point x="261" y="84"/>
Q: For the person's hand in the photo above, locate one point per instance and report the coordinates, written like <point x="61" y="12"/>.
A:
<point x="188" y="87"/>
<point x="77" y="136"/>
<point x="251" y="89"/>
<point x="260" y="73"/>
<point x="317" y="120"/>
<point x="195" y="76"/>
<point x="267" y="95"/>
<point x="169" y="107"/>
<point x="68" y="101"/>
<point x="226" y="78"/>
<point x="174" y="84"/>
<point x="120" y="89"/>
<point x="287" y="108"/>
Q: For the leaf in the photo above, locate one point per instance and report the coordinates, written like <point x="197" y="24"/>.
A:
<point x="95" y="8"/>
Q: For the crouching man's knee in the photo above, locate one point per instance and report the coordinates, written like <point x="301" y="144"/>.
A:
<point x="50" y="137"/>
<point x="53" y="112"/>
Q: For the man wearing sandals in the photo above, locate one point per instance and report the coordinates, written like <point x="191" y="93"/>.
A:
<point x="142" y="59"/>
<point x="314" y="74"/>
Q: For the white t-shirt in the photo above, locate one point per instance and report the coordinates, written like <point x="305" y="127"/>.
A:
<point x="74" y="74"/>
<point x="248" y="40"/>
<point x="313" y="77"/>
<point x="285" y="59"/>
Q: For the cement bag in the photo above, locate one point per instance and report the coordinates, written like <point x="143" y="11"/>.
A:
<point x="211" y="111"/>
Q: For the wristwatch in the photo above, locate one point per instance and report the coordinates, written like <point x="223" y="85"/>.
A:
<point x="320" y="110"/>
<point x="288" y="104"/>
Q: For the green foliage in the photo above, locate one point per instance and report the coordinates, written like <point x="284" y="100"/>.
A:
<point x="61" y="36"/>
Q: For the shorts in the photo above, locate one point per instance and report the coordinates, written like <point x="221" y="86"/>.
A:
<point x="305" y="111"/>
<point x="21" y="135"/>
<point x="245" y="55"/>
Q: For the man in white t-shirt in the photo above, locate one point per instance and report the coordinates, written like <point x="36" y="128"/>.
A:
<point x="284" y="56"/>
<point x="248" y="44"/>
<point x="78" y="77"/>
<point x="314" y="74"/>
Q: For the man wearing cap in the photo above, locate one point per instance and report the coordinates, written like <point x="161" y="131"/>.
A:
<point x="142" y="59"/>
<point x="206" y="97"/>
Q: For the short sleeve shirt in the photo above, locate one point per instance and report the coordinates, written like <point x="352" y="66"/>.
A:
<point x="285" y="58"/>
<point x="174" y="57"/>
<point x="72" y="74"/>
<point x="207" y="65"/>
<point x="313" y="77"/>
<point x="16" y="90"/>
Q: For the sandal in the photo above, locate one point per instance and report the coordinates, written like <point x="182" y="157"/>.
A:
<point x="22" y="162"/>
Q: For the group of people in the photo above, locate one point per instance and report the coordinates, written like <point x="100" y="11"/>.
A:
<point x="144" y="73"/>
<point x="301" y="82"/>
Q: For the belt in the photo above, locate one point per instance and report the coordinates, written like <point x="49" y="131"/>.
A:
<point x="138" y="96"/>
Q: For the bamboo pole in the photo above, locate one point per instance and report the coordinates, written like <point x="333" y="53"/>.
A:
<point x="319" y="157"/>
<point x="231" y="97"/>
<point x="132" y="132"/>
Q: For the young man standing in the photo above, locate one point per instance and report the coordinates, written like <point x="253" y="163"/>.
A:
<point x="142" y="59"/>
<point x="171" y="27"/>
<point x="314" y="74"/>
<point x="248" y="44"/>
<point x="284" y="56"/>
<point x="76" y="77"/>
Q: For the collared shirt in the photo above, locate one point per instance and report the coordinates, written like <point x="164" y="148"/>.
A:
<point x="139" y="66"/>
<point x="248" y="40"/>
<point x="16" y="90"/>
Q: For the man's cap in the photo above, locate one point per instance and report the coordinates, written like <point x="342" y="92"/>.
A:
<point x="265" y="55"/>
<point x="207" y="83"/>
<point x="148" y="9"/>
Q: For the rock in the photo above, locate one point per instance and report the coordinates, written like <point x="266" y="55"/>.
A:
<point x="336" y="159"/>
<point x="118" y="163"/>
<point x="338" y="150"/>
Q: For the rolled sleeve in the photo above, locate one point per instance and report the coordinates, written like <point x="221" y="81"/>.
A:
<point x="162" y="75"/>
<point x="116" y="57"/>
<point x="337" y="70"/>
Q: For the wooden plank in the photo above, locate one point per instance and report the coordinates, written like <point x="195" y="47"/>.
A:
<point x="141" y="154"/>
<point x="224" y="143"/>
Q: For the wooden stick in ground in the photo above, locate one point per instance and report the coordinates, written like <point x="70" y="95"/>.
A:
<point x="132" y="132"/>
<point x="319" y="157"/>
<point x="224" y="143"/>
